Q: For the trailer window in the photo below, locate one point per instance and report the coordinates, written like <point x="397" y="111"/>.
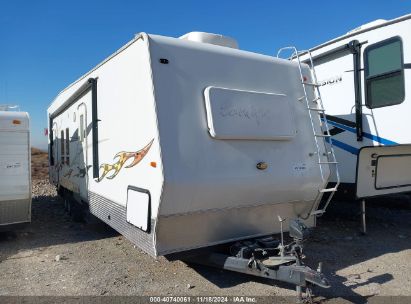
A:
<point x="62" y="146"/>
<point x="384" y="73"/>
<point x="67" y="147"/>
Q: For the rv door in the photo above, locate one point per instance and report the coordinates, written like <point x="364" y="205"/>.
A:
<point x="55" y="144"/>
<point x="82" y="153"/>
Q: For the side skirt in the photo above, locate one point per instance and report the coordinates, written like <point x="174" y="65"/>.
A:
<point x="115" y="216"/>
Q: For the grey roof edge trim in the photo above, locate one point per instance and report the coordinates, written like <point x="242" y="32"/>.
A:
<point x="345" y="36"/>
<point x="137" y="37"/>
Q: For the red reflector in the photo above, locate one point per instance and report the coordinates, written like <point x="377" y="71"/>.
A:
<point x="16" y="122"/>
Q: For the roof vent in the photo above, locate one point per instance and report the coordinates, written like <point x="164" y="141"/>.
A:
<point x="367" y="25"/>
<point x="216" y="39"/>
<point x="9" y="107"/>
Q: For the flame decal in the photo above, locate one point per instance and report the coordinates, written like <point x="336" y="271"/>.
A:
<point x="123" y="157"/>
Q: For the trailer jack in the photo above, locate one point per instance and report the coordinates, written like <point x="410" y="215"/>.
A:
<point x="269" y="258"/>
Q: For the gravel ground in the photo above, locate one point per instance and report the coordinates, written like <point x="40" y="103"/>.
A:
<point x="55" y="255"/>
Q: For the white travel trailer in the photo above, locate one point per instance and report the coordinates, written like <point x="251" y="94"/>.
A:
<point x="187" y="143"/>
<point x="15" y="173"/>
<point x="364" y="77"/>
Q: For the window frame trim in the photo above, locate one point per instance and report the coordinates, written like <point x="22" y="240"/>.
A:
<point x="62" y="147"/>
<point x="368" y="79"/>
<point x="67" y="146"/>
<point x="81" y="127"/>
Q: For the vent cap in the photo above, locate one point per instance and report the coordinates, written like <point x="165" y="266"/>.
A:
<point x="216" y="39"/>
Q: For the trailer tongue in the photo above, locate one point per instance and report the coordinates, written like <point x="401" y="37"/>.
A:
<point x="268" y="258"/>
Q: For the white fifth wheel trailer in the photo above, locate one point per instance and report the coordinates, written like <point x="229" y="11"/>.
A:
<point x="15" y="175"/>
<point x="364" y="77"/>
<point x="186" y="143"/>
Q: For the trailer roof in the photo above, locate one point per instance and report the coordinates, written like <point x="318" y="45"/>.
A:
<point x="356" y="32"/>
<point x="143" y="36"/>
<point x="136" y="37"/>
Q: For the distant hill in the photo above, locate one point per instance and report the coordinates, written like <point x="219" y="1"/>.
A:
<point x="39" y="164"/>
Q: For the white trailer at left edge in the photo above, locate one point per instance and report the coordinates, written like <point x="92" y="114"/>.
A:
<point x="15" y="164"/>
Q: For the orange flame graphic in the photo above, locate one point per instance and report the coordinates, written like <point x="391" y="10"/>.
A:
<point x="123" y="156"/>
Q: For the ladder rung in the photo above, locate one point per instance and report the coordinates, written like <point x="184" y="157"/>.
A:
<point x="328" y="190"/>
<point x="316" y="99"/>
<point x="322" y="135"/>
<point x="326" y="131"/>
<point x="316" y="109"/>
<point x="312" y="84"/>
<point x="317" y="212"/>
<point x="328" y="162"/>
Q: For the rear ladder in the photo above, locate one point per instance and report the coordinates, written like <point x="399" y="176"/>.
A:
<point x="316" y="110"/>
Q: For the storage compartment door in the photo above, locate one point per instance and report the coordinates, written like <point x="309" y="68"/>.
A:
<point x="383" y="170"/>
<point x="139" y="208"/>
<point x="238" y="114"/>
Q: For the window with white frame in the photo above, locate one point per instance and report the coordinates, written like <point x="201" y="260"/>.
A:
<point x="384" y="73"/>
